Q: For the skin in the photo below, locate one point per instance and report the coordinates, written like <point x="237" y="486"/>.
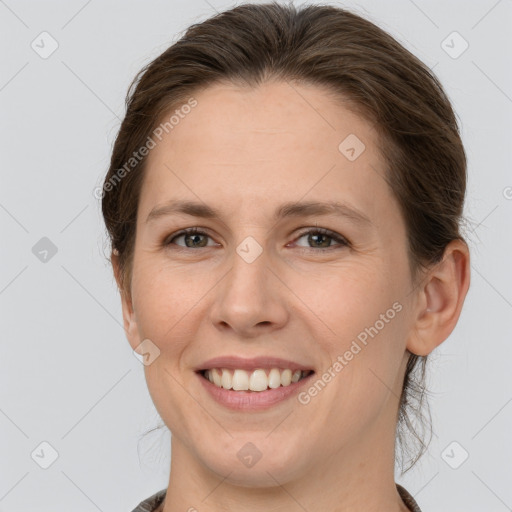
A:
<point x="246" y="151"/>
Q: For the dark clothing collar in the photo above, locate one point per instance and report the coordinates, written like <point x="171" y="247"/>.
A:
<point x="152" y="503"/>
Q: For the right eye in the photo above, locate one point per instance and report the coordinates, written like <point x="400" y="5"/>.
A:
<point x="191" y="237"/>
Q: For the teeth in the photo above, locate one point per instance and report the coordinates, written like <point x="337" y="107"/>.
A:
<point x="258" y="380"/>
<point x="296" y="376"/>
<point x="286" y="377"/>
<point x="217" y="377"/>
<point x="240" y="380"/>
<point x="226" y="379"/>
<point x="274" y="378"/>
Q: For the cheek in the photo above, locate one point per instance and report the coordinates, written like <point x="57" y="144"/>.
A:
<point x="342" y="301"/>
<point x="165" y="298"/>
<point x="359" y="322"/>
<point x="167" y="302"/>
<point x="362" y="376"/>
<point x="369" y="323"/>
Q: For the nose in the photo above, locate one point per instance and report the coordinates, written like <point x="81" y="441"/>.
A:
<point x="251" y="299"/>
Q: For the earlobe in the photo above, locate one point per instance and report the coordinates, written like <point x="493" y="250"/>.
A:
<point x="129" y="319"/>
<point x="441" y="297"/>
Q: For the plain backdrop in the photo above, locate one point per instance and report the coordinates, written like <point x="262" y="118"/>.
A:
<point x="72" y="394"/>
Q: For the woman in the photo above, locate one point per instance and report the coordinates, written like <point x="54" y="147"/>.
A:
<point x="284" y="201"/>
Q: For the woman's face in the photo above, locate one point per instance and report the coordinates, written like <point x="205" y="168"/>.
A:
<point x="256" y="284"/>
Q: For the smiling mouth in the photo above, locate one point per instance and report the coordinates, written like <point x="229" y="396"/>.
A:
<point x="257" y="380"/>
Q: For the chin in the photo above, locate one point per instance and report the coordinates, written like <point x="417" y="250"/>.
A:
<point x="257" y="460"/>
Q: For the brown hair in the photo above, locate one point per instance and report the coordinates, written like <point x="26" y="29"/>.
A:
<point x="358" y="63"/>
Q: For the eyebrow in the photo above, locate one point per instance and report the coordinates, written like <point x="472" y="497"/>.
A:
<point x="290" y="209"/>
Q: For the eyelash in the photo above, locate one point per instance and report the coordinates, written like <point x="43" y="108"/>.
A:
<point x="343" y="242"/>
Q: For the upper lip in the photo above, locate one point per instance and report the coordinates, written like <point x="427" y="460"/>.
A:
<point x="263" y="362"/>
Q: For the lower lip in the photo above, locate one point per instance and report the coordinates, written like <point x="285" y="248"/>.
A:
<point x="252" y="400"/>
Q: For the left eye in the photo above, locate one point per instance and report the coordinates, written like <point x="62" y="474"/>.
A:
<point x="191" y="234"/>
<point x="319" y="237"/>
<point x="322" y="237"/>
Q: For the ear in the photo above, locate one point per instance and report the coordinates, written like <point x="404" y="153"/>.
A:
<point x="440" y="297"/>
<point x="129" y="319"/>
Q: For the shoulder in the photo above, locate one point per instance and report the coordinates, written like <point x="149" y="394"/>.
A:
<point x="152" y="503"/>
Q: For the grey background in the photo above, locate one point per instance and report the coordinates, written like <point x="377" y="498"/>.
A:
<point x="67" y="374"/>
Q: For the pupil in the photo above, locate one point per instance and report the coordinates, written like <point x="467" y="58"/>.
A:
<point x="319" y="236"/>
<point x="194" y="236"/>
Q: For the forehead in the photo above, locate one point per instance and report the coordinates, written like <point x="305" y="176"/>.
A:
<point x="242" y="146"/>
